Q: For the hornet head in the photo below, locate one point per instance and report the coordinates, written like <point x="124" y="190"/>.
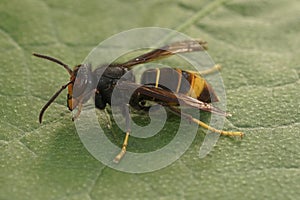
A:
<point x="80" y="86"/>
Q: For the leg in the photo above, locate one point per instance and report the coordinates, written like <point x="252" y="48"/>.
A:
<point x="81" y="100"/>
<point x="202" y="124"/>
<point x="215" y="68"/>
<point x="109" y="125"/>
<point x="80" y="105"/>
<point x="125" y="143"/>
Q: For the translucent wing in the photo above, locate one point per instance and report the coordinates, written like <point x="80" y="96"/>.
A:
<point x="168" y="50"/>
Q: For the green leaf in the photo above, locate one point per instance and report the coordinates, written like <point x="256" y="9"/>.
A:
<point x="257" y="42"/>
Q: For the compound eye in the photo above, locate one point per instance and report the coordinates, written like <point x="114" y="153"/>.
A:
<point x="81" y="81"/>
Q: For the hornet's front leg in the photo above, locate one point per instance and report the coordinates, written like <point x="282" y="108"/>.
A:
<point x="128" y="130"/>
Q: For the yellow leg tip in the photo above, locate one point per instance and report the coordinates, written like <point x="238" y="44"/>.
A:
<point x="118" y="158"/>
<point x="218" y="67"/>
<point x="234" y="134"/>
<point x="120" y="155"/>
<point x="123" y="150"/>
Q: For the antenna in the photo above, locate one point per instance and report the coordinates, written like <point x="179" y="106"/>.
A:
<point x="54" y="60"/>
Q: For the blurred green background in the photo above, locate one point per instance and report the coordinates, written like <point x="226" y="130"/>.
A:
<point x="258" y="44"/>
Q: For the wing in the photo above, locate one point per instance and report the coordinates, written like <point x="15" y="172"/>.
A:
<point x="168" y="50"/>
<point x="168" y="98"/>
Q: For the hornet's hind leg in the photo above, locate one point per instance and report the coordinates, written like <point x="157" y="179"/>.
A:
<point x="214" y="69"/>
<point x="202" y="124"/>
